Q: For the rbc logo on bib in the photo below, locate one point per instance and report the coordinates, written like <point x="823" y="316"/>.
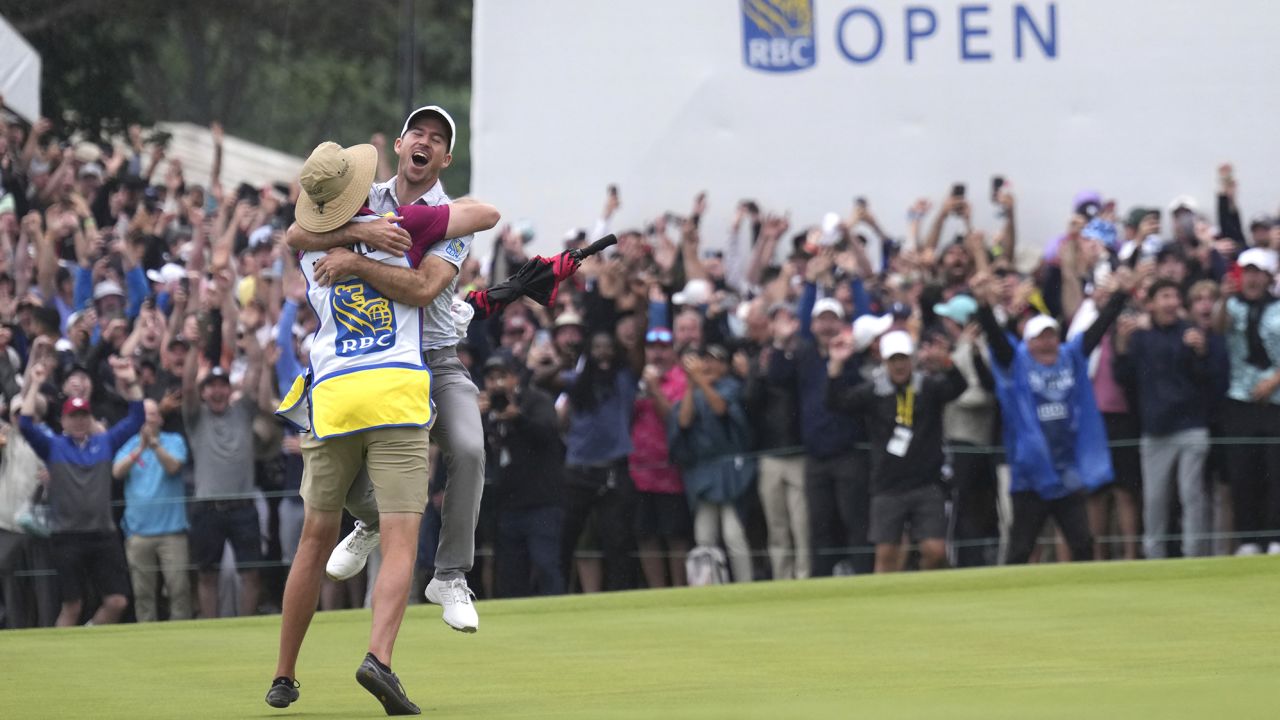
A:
<point x="364" y="319"/>
<point x="777" y="35"/>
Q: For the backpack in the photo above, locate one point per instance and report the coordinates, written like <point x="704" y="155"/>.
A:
<point x="707" y="565"/>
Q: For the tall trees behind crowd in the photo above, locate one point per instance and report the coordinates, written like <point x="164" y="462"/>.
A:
<point x="275" y="72"/>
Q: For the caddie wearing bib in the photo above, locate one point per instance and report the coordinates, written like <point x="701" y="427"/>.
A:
<point x="364" y="402"/>
<point x="425" y="149"/>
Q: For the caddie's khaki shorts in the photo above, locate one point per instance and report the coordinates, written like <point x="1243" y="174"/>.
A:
<point x="396" y="459"/>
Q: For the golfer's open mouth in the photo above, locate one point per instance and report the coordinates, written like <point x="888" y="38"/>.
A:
<point x="420" y="159"/>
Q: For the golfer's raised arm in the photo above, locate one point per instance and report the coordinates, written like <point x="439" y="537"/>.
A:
<point x="469" y="218"/>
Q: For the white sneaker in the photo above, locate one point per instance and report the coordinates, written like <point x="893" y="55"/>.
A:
<point x="455" y="597"/>
<point x="349" y="557"/>
<point x="1273" y="548"/>
<point x="1249" y="549"/>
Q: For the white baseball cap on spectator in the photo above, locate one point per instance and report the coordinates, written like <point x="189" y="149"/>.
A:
<point x="259" y="237"/>
<point x="435" y="110"/>
<point x="1038" y="325"/>
<point x="93" y="170"/>
<point x="695" y="292"/>
<point x="869" y="327"/>
<point x="87" y="152"/>
<point x="828" y="305"/>
<point x="167" y="273"/>
<point x="107" y="288"/>
<point x="1260" y="258"/>
<point x="568" y="318"/>
<point x="575" y="238"/>
<point x="1183" y="202"/>
<point x="898" y="342"/>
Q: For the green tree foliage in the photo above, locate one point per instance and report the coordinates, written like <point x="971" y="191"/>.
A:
<point x="283" y="73"/>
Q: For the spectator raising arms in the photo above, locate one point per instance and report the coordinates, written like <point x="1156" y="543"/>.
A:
<point x="836" y="472"/>
<point x="773" y="409"/>
<point x="1052" y="428"/>
<point x="112" y="253"/>
<point x="708" y="434"/>
<point x="663" y="525"/>
<point x="220" y="429"/>
<point x="902" y="412"/>
<point x="79" y="460"/>
<point x="155" y="521"/>
<point x="597" y="414"/>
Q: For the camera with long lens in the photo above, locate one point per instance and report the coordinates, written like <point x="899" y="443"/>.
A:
<point x="499" y="400"/>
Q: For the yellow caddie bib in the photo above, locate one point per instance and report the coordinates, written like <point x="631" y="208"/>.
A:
<point x="366" y="367"/>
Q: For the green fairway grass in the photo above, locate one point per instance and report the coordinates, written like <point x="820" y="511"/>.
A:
<point x="1170" y="639"/>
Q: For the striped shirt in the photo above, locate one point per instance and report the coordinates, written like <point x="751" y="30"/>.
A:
<point x="438" y="327"/>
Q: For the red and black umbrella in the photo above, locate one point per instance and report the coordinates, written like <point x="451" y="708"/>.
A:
<point x="538" y="279"/>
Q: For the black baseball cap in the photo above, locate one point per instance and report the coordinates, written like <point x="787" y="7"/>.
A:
<point x="217" y="374"/>
<point x="499" y="361"/>
<point x="719" y="352"/>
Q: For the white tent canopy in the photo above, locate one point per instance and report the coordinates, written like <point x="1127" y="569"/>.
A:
<point x="19" y="73"/>
<point x="242" y="161"/>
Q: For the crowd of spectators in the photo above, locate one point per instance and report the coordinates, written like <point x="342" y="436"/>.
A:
<point x="753" y="401"/>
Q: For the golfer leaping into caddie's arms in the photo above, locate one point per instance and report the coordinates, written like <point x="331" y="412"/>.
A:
<point x="425" y="149"/>
<point x="367" y="346"/>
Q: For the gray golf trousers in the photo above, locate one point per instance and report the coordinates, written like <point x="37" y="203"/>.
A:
<point x="460" y="434"/>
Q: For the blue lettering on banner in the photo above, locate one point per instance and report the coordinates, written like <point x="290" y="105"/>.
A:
<point x="917" y="32"/>
<point x="969" y="30"/>
<point x="876" y="27"/>
<point x="364" y="319"/>
<point x="777" y="35"/>
<point x="1022" y="19"/>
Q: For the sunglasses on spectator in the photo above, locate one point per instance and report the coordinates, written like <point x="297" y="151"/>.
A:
<point x="658" y="336"/>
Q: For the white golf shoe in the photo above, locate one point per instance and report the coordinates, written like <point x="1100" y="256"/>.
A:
<point x="348" y="559"/>
<point x="455" y="597"/>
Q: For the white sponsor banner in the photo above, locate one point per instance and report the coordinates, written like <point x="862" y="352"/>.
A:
<point x="19" y="73"/>
<point x="805" y="105"/>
